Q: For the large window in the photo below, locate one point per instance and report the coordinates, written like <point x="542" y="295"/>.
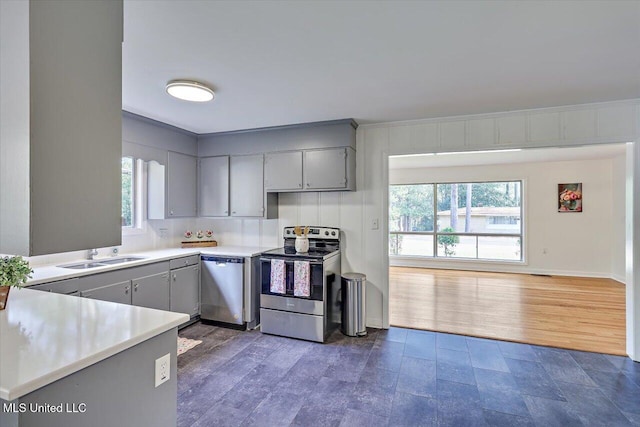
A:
<point x="473" y="220"/>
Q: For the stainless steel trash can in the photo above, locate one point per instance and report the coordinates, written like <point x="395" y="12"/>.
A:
<point x="353" y="300"/>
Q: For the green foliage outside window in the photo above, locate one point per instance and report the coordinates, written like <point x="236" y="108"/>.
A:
<point x="127" y="191"/>
<point x="448" y="242"/>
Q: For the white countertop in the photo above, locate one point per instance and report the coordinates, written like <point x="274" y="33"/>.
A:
<point x="52" y="273"/>
<point x="45" y="336"/>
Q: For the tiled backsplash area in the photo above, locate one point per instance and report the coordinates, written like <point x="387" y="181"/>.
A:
<point x="152" y="235"/>
<point x="160" y="234"/>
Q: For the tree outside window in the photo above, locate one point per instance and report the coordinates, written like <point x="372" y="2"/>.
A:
<point x="480" y="220"/>
<point x="127" y="191"/>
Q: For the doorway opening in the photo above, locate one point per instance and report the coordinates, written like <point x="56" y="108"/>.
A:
<point x="484" y="244"/>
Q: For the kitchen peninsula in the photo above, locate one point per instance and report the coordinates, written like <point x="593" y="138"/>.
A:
<point x="76" y="362"/>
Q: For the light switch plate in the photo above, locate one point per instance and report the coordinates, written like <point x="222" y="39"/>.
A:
<point x="163" y="369"/>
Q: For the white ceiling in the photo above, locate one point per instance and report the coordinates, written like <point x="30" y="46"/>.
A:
<point x="281" y="62"/>
<point x="497" y="157"/>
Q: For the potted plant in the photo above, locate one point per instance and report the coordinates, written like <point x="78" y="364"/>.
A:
<point x="14" y="271"/>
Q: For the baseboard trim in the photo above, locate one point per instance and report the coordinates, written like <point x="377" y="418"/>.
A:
<point x="501" y="268"/>
<point x="621" y="279"/>
<point x="374" y="323"/>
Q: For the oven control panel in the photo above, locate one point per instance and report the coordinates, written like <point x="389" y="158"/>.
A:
<point x="320" y="233"/>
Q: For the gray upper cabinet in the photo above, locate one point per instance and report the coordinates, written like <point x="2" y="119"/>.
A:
<point x="329" y="169"/>
<point x="61" y="146"/>
<point x="283" y="171"/>
<point x="310" y="170"/>
<point x="181" y="185"/>
<point x="213" y="188"/>
<point x="152" y="291"/>
<point x="247" y="186"/>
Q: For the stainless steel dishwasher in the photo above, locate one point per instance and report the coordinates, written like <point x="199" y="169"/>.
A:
<point x="222" y="289"/>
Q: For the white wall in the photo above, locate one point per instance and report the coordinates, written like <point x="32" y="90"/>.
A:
<point x="618" y="232"/>
<point x="577" y="244"/>
<point x="616" y="122"/>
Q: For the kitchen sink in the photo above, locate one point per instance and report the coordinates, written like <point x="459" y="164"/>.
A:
<point x="120" y="260"/>
<point x="101" y="262"/>
<point x="83" y="265"/>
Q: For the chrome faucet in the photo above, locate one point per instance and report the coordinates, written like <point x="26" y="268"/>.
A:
<point x="92" y="253"/>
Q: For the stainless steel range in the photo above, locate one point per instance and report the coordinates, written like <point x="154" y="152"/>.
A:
<point x="299" y="296"/>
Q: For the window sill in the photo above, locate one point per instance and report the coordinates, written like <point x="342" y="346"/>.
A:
<point x="435" y="262"/>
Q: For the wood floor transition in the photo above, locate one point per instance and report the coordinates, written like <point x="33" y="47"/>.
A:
<point x="568" y="312"/>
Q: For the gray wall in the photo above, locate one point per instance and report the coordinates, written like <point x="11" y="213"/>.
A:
<point x="61" y="126"/>
<point x="150" y="140"/>
<point x="117" y="391"/>
<point x="339" y="133"/>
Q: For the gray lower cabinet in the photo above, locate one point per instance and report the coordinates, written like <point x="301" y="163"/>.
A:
<point x="152" y="285"/>
<point x="185" y="290"/>
<point x="66" y="286"/>
<point x="117" y="292"/>
<point x="146" y="285"/>
<point x="152" y="291"/>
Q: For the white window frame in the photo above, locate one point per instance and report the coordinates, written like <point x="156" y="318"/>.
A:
<point x="138" y="226"/>
<point x="436" y="233"/>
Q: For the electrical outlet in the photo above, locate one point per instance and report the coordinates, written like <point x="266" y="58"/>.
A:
<point x="163" y="369"/>
<point x="164" y="233"/>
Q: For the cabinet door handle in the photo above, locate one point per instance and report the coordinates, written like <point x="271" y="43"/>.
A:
<point x="135" y="287"/>
<point x="300" y="184"/>
<point x="226" y="212"/>
<point x="170" y="212"/>
<point x="233" y="212"/>
<point x="308" y="184"/>
<point x="174" y="277"/>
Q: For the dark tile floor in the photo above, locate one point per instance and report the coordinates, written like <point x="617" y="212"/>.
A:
<point x="398" y="377"/>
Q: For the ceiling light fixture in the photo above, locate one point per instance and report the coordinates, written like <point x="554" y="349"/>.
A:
<point x="189" y="90"/>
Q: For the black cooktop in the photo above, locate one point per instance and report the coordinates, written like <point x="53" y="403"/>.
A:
<point x="290" y="252"/>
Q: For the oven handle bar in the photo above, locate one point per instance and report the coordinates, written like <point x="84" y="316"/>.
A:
<point x="288" y="261"/>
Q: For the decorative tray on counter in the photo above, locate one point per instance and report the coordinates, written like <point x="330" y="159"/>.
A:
<point x="199" y="244"/>
<point x="195" y="240"/>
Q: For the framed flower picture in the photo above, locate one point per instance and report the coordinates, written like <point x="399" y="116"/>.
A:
<point x="570" y="197"/>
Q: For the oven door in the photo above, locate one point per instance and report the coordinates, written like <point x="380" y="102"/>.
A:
<point x="316" y="278"/>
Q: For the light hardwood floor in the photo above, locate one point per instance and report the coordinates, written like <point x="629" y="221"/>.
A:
<point x="568" y="312"/>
